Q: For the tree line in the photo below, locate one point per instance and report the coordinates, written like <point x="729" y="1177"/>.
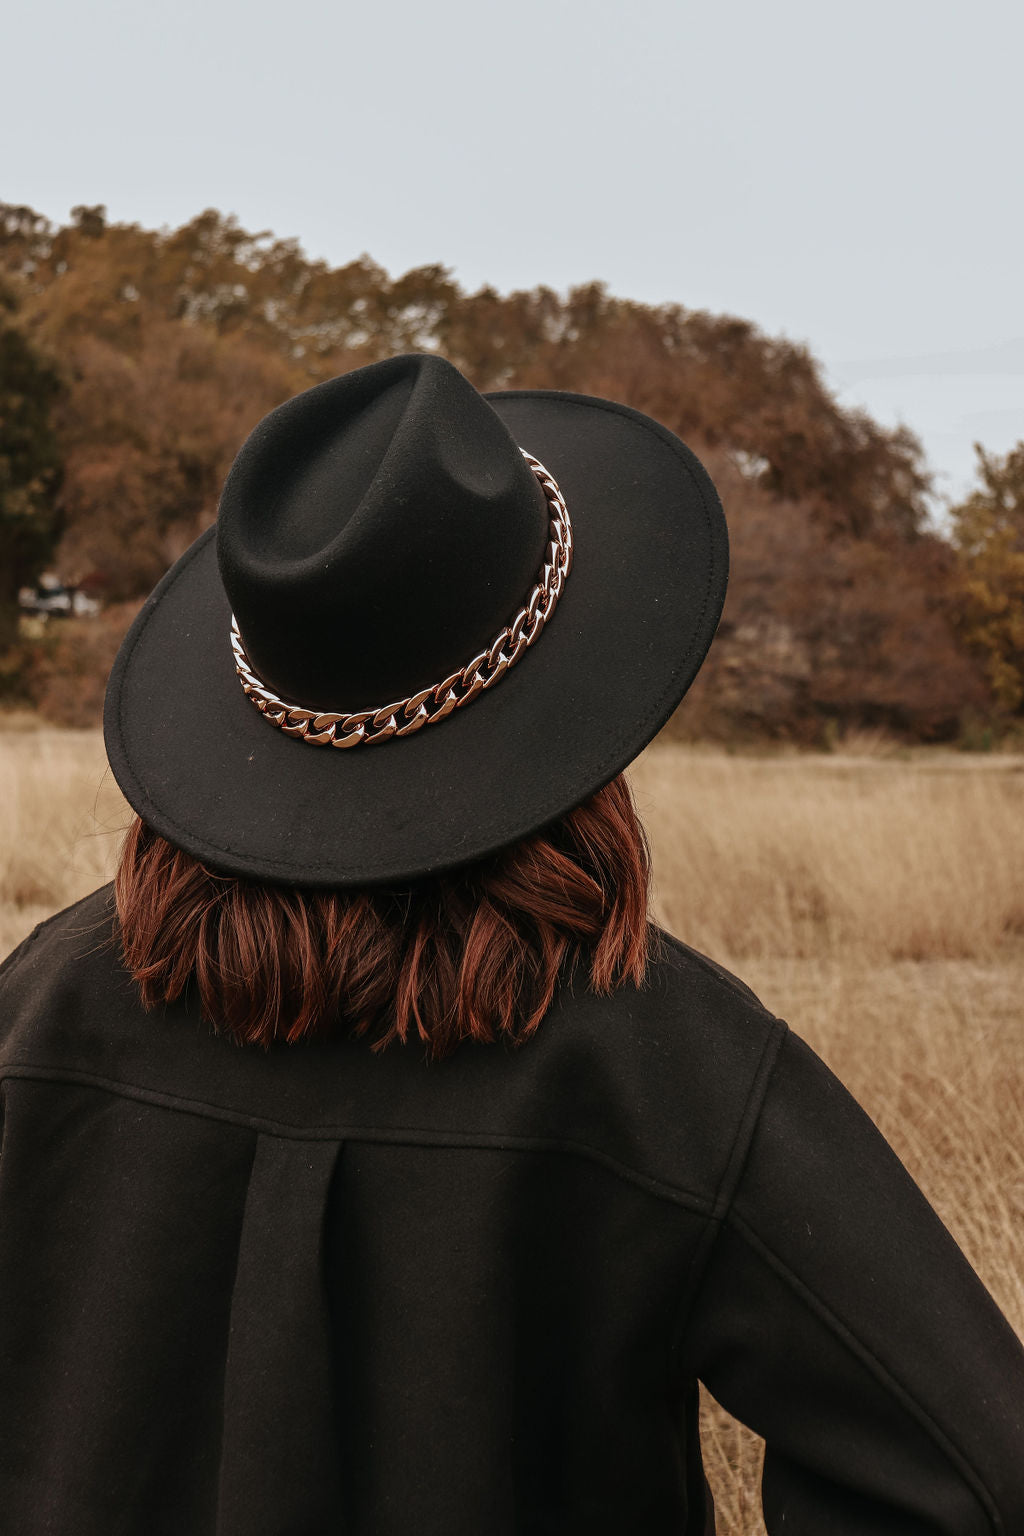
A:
<point x="134" y="361"/>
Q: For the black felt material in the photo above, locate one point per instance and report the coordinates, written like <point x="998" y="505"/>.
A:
<point x="198" y="762"/>
<point x="375" y="533"/>
<point x="320" y="1290"/>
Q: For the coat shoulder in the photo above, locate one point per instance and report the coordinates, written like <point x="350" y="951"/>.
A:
<point x="696" y="1003"/>
<point x="686" y="963"/>
<point x="669" y="1077"/>
<point x="69" y="934"/>
<point x="74" y="951"/>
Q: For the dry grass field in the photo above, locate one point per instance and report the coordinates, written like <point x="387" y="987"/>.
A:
<point x="876" y="902"/>
<point x="874" y="899"/>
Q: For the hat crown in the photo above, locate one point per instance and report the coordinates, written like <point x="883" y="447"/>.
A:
<point x="375" y="532"/>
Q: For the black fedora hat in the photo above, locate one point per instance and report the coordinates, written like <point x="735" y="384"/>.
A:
<point x="456" y="617"/>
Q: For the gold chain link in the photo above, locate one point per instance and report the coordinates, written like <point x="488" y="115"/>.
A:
<point x="363" y="727"/>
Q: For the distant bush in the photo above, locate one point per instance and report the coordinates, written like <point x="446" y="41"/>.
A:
<point x="65" y="672"/>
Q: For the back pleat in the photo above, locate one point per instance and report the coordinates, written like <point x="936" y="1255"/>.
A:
<point x="279" y="1461"/>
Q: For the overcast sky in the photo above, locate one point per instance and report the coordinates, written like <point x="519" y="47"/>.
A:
<point x="848" y="175"/>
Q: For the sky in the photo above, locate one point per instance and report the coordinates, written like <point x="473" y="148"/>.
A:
<point x="848" y="176"/>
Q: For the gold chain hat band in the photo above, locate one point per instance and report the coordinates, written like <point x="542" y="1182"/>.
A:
<point x="363" y="727"/>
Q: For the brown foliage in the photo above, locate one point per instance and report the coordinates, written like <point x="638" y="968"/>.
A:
<point x="174" y="343"/>
<point x="713" y="379"/>
<point x="718" y="382"/>
<point x="149" y="437"/>
<point x="823" y="632"/>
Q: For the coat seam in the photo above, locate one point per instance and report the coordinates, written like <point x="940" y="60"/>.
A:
<point x="743" y="1139"/>
<point x="845" y="1334"/>
<point x="413" y="1136"/>
<point x="731" y="1174"/>
<point x="227" y="1335"/>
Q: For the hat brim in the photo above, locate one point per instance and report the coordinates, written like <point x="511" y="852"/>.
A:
<point x="204" y="769"/>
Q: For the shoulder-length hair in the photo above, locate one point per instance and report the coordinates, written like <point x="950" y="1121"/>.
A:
<point x="473" y="953"/>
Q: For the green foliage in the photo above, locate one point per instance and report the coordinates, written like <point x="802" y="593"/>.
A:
<point x="989" y="534"/>
<point x="29" y="468"/>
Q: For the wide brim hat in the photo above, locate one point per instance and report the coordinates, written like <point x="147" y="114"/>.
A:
<point x="377" y="534"/>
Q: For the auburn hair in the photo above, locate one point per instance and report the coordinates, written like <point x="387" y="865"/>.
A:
<point x="473" y="953"/>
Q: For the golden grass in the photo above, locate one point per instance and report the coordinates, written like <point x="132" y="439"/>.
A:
<point x="61" y="816"/>
<point x="934" y="1050"/>
<point x="874" y="899"/>
<point x="877" y="903"/>
<point x="819" y="855"/>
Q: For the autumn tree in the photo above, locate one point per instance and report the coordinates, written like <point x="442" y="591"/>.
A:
<point x="172" y="344"/>
<point x="715" y="379"/>
<point x="148" y="439"/>
<point x="988" y="528"/>
<point x="29" y="466"/>
<point x="824" y="632"/>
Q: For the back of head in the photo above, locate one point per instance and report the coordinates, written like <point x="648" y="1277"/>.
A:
<point x="374" y="724"/>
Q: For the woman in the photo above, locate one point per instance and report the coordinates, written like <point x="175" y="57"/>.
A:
<point x="434" y="1180"/>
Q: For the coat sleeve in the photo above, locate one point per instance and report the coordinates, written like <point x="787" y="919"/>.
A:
<point x="838" y="1319"/>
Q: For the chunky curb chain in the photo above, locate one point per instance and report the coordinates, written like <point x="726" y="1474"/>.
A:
<point x="364" y="727"/>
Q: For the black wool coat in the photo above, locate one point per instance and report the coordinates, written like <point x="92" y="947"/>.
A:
<point x="325" y="1291"/>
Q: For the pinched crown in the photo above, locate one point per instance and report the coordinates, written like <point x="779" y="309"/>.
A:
<point x="365" y="726"/>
